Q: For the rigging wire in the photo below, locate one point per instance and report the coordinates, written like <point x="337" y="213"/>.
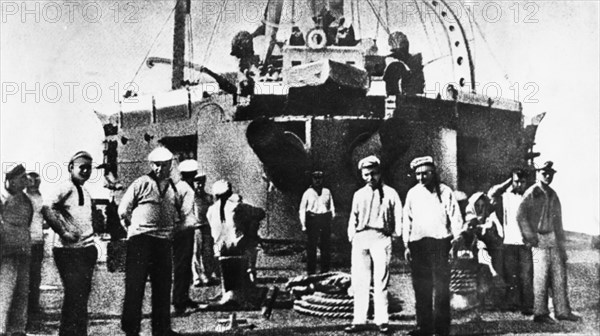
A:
<point x="437" y="42"/>
<point x="445" y="30"/>
<point x="472" y="40"/>
<point x="387" y="12"/>
<point x="377" y="29"/>
<point x="358" y="18"/>
<point x="212" y="34"/>
<point x="489" y="48"/>
<point x="378" y="16"/>
<point x="193" y="76"/>
<point x="152" y="45"/>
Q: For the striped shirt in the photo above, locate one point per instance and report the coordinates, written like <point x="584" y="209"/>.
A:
<point x="154" y="210"/>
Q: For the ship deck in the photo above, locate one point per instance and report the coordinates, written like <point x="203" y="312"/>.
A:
<point x="107" y="295"/>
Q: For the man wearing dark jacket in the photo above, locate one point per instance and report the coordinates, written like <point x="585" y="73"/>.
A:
<point x="540" y="219"/>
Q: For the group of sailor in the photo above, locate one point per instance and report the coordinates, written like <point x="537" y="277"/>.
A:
<point x="178" y="226"/>
<point x="503" y="227"/>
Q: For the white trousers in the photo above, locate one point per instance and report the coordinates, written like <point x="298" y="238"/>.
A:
<point x="371" y="254"/>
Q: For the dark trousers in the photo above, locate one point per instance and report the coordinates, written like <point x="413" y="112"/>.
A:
<point x="152" y="256"/>
<point x="518" y="275"/>
<point x="35" y="278"/>
<point x="76" y="268"/>
<point x="431" y="282"/>
<point x="183" y="251"/>
<point x="318" y="230"/>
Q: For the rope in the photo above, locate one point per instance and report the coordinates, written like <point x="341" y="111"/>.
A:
<point x="303" y="310"/>
<point x="322" y="308"/>
<point x="327" y="302"/>
<point x="331" y="296"/>
<point x="153" y="43"/>
<point x="212" y="34"/>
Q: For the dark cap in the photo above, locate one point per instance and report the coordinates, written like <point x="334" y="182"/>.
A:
<point x="15" y="172"/>
<point x="547" y="167"/>
<point x="317" y="174"/>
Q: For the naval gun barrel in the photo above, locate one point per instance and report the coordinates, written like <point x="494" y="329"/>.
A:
<point x="224" y="84"/>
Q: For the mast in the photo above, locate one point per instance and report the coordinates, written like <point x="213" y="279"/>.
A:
<point x="182" y="9"/>
<point x="336" y="7"/>
<point x="272" y="19"/>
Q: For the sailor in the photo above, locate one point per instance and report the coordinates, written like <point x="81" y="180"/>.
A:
<point x="518" y="260"/>
<point x="375" y="216"/>
<point x="397" y="68"/>
<point x="404" y="72"/>
<point x="152" y="208"/>
<point x="234" y="226"/>
<point x="37" y="244"/>
<point x="540" y="218"/>
<point x="316" y="212"/>
<point x="345" y="35"/>
<point x="431" y="219"/>
<point x="296" y="38"/>
<point x="490" y="233"/>
<point x="16" y="211"/>
<point x="68" y="211"/>
<point x="204" y="264"/>
<point x="183" y="244"/>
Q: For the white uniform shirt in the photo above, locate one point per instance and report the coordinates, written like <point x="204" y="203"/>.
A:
<point x="36" y="230"/>
<point x="370" y="211"/>
<point x="425" y="216"/>
<point x="315" y="203"/>
<point x="512" y="231"/>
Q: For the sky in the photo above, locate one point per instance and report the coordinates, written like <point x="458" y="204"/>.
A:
<point x="62" y="60"/>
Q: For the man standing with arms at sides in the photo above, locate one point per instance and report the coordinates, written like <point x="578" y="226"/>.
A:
<point x="68" y="211"/>
<point x="204" y="264"/>
<point x="431" y="219"/>
<point x="16" y="211"/>
<point x="183" y="244"/>
<point x="37" y="244"/>
<point x="151" y="208"/>
<point x="316" y="211"/>
<point x="518" y="262"/>
<point x="376" y="215"/>
<point x="540" y="219"/>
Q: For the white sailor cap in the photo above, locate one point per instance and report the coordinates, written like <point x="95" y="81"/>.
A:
<point x="188" y="166"/>
<point x="460" y="196"/>
<point x="368" y="162"/>
<point x="421" y="161"/>
<point x="160" y="154"/>
<point x="221" y="187"/>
